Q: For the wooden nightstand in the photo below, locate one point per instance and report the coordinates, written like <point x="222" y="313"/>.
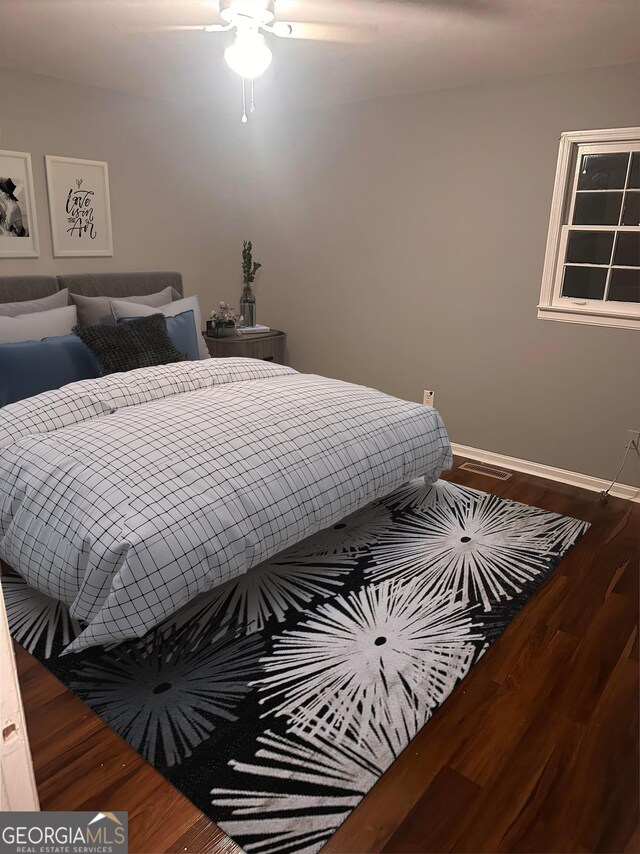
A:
<point x="269" y="346"/>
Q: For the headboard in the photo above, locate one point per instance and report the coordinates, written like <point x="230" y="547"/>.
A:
<point x="22" y="288"/>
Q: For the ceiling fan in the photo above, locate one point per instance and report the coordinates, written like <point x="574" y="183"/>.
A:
<point x="250" y="55"/>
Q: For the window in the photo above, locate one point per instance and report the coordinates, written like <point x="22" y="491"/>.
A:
<point x="592" y="264"/>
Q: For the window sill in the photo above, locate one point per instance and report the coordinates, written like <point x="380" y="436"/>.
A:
<point x="577" y="315"/>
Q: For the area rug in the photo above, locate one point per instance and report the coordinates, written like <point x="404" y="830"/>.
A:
<point x="276" y="702"/>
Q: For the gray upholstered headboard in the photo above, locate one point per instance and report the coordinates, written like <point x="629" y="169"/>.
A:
<point x="22" y="288"/>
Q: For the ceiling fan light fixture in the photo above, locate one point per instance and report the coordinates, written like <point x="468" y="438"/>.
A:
<point x="249" y="55"/>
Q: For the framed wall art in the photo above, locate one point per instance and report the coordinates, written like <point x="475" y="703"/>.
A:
<point x="79" y="207"/>
<point x="18" y="225"/>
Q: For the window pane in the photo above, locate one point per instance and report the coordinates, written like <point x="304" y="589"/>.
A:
<point x="631" y="214"/>
<point x="584" y="282"/>
<point x="627" y="249"/>
<point x="603" y="171"/>
<point x="624" y="285"/>
<point x="589" y="247"/>
<point x="634" y="177"/>
<point x="597" y="208"/>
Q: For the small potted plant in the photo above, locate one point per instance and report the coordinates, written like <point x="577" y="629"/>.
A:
<point x="223" y="321"/>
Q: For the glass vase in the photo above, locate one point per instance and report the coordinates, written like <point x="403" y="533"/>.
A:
<point x="248" y="306"/>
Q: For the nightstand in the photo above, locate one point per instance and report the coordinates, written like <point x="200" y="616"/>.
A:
<point x="269" y="346"/>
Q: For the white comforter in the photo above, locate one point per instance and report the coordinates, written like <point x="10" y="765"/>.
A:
<point x="126" y="496"/>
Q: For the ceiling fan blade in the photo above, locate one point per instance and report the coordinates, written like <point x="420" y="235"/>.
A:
<point x="191" y="28"/>
<point x="486" y="8"/>
<point x="186" y="28"/>
<point x="345" y="33"/>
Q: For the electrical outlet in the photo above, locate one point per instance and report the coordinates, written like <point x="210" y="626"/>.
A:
<point x="633" y="436"/>
<point x="427" y="397"/>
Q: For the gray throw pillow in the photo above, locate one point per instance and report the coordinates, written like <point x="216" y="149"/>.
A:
<point x="96" y="311"/>
<point x="13" y="309"/>
<point x="139" y="343"/>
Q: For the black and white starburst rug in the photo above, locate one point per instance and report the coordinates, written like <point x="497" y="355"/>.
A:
<point x="276" y="701"/>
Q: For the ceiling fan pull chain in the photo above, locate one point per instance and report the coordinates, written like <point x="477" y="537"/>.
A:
<point x="244" y="103"/>
<point x="252" y="108"/>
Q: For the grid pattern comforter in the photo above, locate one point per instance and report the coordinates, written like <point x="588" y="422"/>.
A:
<point x="127" y="496"/>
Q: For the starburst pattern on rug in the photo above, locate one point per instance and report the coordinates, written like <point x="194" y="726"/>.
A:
<point x="269" y="591"/>
<point x="165" y="694"/>
<point x="482" y="551"/>
<point x="329" y="777"/>
<point x="35" y="617"/>
<point x="417" y="495"/>
<point x="370" y="653"/>
<point x="353" y="535"/>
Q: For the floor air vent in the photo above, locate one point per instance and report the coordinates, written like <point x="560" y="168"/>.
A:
<point x="488" y="471"/>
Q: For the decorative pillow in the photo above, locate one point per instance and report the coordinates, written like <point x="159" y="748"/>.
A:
<point x="138" y="344"/>
<point x="96" y="311"/>
<point x="31" y="367"/>
<point x="124" y="308"/>
<point x="182" y="331"/>
<point x="38" y="325"/>
<point x="58" y="300"/>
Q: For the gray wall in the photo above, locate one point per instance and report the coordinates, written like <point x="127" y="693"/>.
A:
<point x="174" y="197"/>
<point x="403" y="244"/>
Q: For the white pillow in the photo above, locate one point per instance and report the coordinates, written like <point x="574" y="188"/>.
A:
<point x="38" y="325"/>
<point x="122" y="308"/>
<point x="58" y="300"/>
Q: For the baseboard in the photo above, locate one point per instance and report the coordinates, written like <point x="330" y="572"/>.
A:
<point x="585" y="481"/>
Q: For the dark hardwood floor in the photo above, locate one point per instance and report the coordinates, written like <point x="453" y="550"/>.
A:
<point x="536" y="751"/>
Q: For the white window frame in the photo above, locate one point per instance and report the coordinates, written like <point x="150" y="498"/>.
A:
<point x="553" y="306"/>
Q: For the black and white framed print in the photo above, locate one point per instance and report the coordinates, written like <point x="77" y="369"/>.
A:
<point x="18" y="225"/>
<point x="79" y="207"/>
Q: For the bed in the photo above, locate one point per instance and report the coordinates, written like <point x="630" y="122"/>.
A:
<point x="127" y="496"/>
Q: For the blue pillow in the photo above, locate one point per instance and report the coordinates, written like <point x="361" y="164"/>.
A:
<point x="31" y="367"/>
<point x="182" y="331"/>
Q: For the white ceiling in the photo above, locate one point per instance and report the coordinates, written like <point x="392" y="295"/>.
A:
<point x="407" y="45"/>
